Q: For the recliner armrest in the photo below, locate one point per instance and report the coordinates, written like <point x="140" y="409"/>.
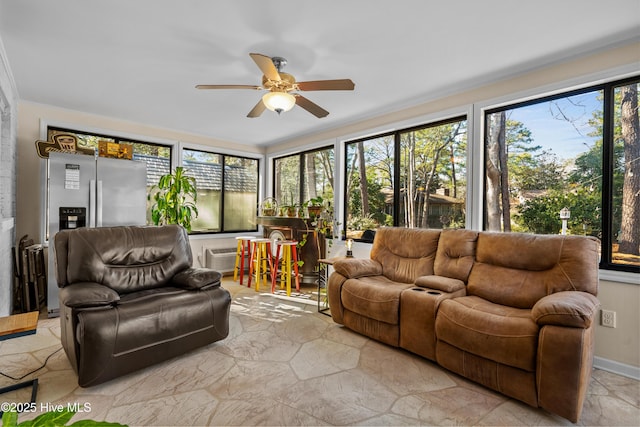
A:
<point x="197" y="278"/>
<point x="353" y="268"/>
<point x="567" y="308"/>
<point x="441" y="283"/>
<point x="87" y="295"/>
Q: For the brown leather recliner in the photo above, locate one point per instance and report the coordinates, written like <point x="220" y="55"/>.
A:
<point x="129" y="298"/>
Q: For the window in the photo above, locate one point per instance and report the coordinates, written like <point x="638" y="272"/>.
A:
<point x="304" y="176"/>
<point x="576" y="150"/>
<point x="226" y="200"/>
<point x="156" y="156"/>
<point x="413" y="178"/>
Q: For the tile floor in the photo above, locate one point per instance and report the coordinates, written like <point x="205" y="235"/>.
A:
<point x="285" y="364"/>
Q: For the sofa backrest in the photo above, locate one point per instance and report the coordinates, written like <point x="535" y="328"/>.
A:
<point x="518" y="269"/>
<point x="456" y="253"/>
<point x="405" y="253"/>
<point x="126" y="259"/>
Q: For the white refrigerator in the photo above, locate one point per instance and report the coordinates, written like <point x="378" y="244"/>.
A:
<point x="89" y="191"/>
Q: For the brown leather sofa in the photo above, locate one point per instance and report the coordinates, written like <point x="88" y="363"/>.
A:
<point x="514" y="312"/>
<point x="129" y="298"/>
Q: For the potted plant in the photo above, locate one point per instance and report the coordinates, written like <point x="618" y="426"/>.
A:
<point x="175" y="198"/>
<point x="290" y="210"/>
<point x="269" y="207"/>
<point x="314" y="206"/>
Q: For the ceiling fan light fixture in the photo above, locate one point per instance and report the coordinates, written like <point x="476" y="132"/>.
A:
<point x="279" y="101"/>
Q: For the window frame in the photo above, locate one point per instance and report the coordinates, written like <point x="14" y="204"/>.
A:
<point x="223" y="156"/>
<point x="301" y="167"/>
<point x="608" y="110"/>
<point x="397" y="171"/>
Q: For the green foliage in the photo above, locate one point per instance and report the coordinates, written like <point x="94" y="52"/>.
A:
<point x="53" y="419"/>
<point x="542" y="214"/>
<point x="175" y="198"/>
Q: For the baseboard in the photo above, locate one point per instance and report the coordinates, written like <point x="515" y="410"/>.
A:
<point x="617" y="367"/>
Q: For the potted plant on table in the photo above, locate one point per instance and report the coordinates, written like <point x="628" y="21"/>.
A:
<point x="314" y="206"/>
<point x="175" y="198"/>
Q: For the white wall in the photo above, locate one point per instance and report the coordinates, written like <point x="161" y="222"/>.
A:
<point x="8" y="95"/>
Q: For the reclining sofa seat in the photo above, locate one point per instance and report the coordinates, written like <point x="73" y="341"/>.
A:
<point x="129" y="298"/>
<point x="514" y="312"/>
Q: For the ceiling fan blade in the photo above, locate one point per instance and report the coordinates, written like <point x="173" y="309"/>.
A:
<point x="228" y="87"/>
<point x="311" y="107"/>
<point x="265" y="64"/>
<point x="257" y="110"/>
<point x="339" y="84"/>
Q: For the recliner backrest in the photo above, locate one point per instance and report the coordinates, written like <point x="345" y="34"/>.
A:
<point x="126" y="259"/>
<point x="456" y="253"/>
<point x="405" y="253"/>
<point x="517" y="269"/>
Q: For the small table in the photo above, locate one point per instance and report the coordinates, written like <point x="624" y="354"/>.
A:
<point x="15" y="326"/>
<point x="323" y="278"/>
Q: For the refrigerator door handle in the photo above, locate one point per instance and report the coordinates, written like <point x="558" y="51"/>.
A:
<point x="92" y="203"/>
<point x="99" y="203"/>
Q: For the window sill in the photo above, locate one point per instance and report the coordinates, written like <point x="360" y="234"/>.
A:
<point x="620" y="276"/>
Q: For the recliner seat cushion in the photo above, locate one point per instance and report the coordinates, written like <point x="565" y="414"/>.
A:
<point x="375" y="297"/>
<point x="496" y="332"/>
<point x="141" y="324"/>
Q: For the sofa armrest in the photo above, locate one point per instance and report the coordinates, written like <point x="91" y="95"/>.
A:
<point x="568" y="308"/>
<point x="197" y="278"/>
<point x="440" y="283"/>
<point x="87" y="295"/>
<point x="353" y="268"/>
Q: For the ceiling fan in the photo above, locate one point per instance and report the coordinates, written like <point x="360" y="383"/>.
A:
<point x="281" y="85"/>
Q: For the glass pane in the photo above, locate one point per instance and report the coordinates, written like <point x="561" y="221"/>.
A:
<point x="625" y="238"/>
<point x="240" y="193"/>
<point x="433" y="176"/>
<point x="207" y="170"/>
<point x="158" y="160"/>
<point x="369" y="184"/>
<point x="318" y="176"/>
<point x="287" y="180"/>
<point x="541" y="158"/>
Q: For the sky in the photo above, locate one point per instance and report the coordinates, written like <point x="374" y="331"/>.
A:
<point x="568" y="137"/>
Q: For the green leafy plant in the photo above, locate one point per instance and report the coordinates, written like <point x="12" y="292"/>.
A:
<point x="314" y="206"/>
<point x="53" y="418"/>
<point x="175" y="198"/>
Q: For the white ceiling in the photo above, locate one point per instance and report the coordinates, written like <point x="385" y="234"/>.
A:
<point x="139" y="60"/>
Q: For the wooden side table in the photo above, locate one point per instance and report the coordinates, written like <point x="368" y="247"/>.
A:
<point x="15" y="326"/>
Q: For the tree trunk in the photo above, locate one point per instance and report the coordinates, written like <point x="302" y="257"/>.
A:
<point x="410" y="190"/>
<point x="454" y="182"/>
<point x="492" y="168"/>
<point x="629" y="239"/>
<point x="310" y="172"/>
<point x="504" y="179"/>
<point x="363" y="180"/>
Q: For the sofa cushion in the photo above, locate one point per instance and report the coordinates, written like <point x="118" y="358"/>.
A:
<point x="456" y="253"/>
<point x="375" y="297"/>
<point x="518" y="269"/>
<point x="503" y="334"/>
<point x="405" y="253"/>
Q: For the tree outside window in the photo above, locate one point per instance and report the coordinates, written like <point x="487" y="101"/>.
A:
<point x="565" y="152"/>
<point x="412" y="178"/>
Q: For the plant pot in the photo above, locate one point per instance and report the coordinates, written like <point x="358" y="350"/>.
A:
<point x="314" y="211"/>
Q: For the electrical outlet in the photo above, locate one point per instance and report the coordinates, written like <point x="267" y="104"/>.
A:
<point x="608" y="318"/>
